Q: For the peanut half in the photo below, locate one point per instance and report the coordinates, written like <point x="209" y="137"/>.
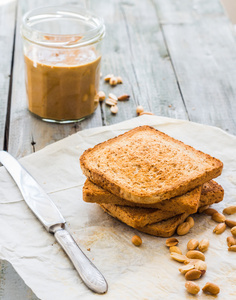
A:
<point x="108" y="77"/>
<point x="194" y="254"/>
<point x="211" y="288"/>
<point x="113" y="81"/>
<point x="119" y="79"/>
<point x="203" y="208"/>
<point x="178" y="257"/>
<point x="193" y="274"/>
<point x="192" y="287"/>
<point x="101" y="96"/>
<point x="201" y="266"/>
<point x="220" y="228"/>
<point x="139" y="109"/>
<point x="183" y="228"/>
<point x="203" y="245"/>
<point x="175" y="249"/>
<point x="114" y="109"/>
<point x="232" y="248"/>
<point x="124" y="97"/>
<point x="231" y="241"/>
<point x="136" y="240"/>
<point x="233" y="230"/>
<point x="186" y="268"/>
<point x="171" y="242"/>
<point x="218" y="217"/>
<point x="230" y="223"/>
<point x="210" y="211"/>
<point x="192" y="244"/>
<point x="230" y="210"/>
<point x="190" y="220"/>
<point x="110" y="102"/>
<point x="146" y="113"/>
<point x="113" y="97"/>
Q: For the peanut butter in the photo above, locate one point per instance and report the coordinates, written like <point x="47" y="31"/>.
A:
<point x="61" y="84"/>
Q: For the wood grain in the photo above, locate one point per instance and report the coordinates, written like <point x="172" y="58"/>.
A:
<point x="7" y="27"/>
<point x="202" y="47"/>
<point x="134" y="48"/>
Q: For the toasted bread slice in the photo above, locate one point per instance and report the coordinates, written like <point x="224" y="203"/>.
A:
<point x="164" y="228"/>
<point x="211" y="193"/>
<point x="147" y="166"/>
<point x="188" y="202"/>
<point x="136" y="216"/>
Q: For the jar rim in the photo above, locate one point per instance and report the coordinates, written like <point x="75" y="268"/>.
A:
<point x="59" y="40"/>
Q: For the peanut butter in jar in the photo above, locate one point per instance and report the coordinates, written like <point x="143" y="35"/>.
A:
<point x="62" y="69"/>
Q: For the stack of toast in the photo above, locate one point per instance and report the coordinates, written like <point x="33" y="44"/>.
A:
<point x="149" y="180"/>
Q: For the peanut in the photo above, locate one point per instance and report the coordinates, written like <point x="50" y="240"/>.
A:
<point x="190" y="220"/>
<point x="232" y="248"/>
<point x="114" y="109"/>
<point x="191" y="261"/>
<point x="183" y="228"/>
<point x="119" y="79"/>
<point x="230" y="210"/>
<point x="146" y="113"/>
<point x="101" y="96"/>
<point x="220" y="228"/>
<point x="96" y="99"/>
<point x="178" y="257"/>
<point x="203" y="208"/>
<point x="113" y="97"/>
<point x="211" y="288"/>
<point x="192" y="287"/>
<point x="171" y="242"/>
<point x="192" y="244"/>
<point x="110" y="102"/>
<point x="201" y="265"/>
<point x="231" y="241"/>
<point x="203" y="245"/>
<point x="230" y="223"/>
<point x="186" y="268"/>
<point x="233" y="231"/>
<point x="194" y="254"/>
<point x="108" y="77"/>
<point x="218" y="217"/>
<point x="113" y="81"/>
<point x="124" y="97"/>
<point x="136" y="240"/>
<point x="139" y="109"/>
<point x="193" y="274"/>
<point x="175" y="249"/>
<point x="210" y="211"/>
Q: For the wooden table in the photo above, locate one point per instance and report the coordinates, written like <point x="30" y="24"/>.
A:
<point x="177" y="59"/>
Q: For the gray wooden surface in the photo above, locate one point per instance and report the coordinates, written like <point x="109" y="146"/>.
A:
<point x="177" y="58"/>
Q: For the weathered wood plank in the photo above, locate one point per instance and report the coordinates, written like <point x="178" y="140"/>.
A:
<point x="134" y="48"/>
<point x="202" y="46"/>
<point x="12" y="285"/>
<point x="7" y="26"/>
<point x="27" y="133"/>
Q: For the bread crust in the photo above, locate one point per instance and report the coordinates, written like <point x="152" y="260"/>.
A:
<point x="211" y="192"/>
<point x="96" y="164"/>
<point x="164" y="228"/>
<point x="188" y="202"/>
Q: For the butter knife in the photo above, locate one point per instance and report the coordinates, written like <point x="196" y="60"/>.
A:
<point x="48" y="214"/>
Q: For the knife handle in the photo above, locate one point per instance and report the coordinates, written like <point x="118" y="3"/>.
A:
<point x="86" y="269"/>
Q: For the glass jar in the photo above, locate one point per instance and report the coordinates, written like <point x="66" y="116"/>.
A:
<point x="62" y="52"/>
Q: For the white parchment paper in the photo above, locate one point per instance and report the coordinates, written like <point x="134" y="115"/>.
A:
<point x="132" y="273"/>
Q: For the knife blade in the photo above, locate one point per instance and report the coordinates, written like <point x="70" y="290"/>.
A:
<point x="48" y="214"/>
